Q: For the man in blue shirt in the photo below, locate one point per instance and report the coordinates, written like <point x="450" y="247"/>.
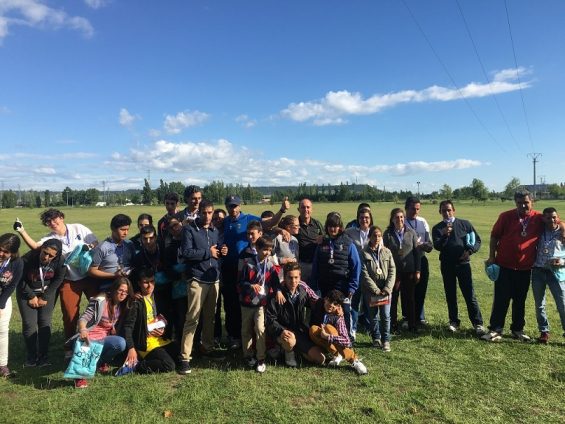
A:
<point x="235" y="237"/>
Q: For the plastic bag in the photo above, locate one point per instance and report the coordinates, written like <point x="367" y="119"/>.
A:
<point x="84" y="359"/>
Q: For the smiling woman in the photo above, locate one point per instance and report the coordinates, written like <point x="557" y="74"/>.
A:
<point x="76" y="282"/>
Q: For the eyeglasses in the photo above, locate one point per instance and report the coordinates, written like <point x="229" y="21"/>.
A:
<point x="122" y="292"/>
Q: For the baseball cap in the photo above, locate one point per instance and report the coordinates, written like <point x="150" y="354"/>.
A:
<point x="232" y="200"/>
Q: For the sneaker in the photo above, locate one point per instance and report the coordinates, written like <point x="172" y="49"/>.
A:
<point x="261" y="367"/>
<point x="185" y="367"/>
<point x="104" y="368"/>
<point x="359" y="368"/>
<point x="217" y="342"/>
<point x="290" y="359"/>
<point x="251" y="361"/>
<point x="492" y="336"/>
<point x="386" y="347"/>
<point x="234" y="344"/>
<point x="214" y="354"/>
<point x="30" y="363"/>
<point x="377" y="343"/>
<point x="5" y="372"/>
<point x="336" y="360"/>
<point x="81" y="383"/>
<point x="544" y="337"/>
<point x="519" y="335"/>
<point x="480" y="330"/>
<point x="453" y="327"/>
<point x="274" y="352"/>
<point x="423" y="323"/>
<point x="43" y="362"/>
<point x="125" y="370"/>
<point x="404" y="325"/>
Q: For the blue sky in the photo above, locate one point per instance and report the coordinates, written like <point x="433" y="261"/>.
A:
<point x="273" y="93"/>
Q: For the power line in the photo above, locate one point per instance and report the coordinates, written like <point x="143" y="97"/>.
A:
<point x="479" y="120"/>
<point x="495" y="98"/>
<point x="518" y="75"/>
<point x="535" y="158"/>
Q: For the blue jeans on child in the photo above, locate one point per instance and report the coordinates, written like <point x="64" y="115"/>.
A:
<point x="380" y="316"/>
<point x="542" y="278"/>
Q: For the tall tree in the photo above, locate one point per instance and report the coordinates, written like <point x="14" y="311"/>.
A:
<point x="511" y="188"/>
<point x="479" y="190"/>
<point x="146" y="193"/>
<point x="446" y="192"/>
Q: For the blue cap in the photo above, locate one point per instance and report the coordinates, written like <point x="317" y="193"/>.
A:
<point x="232" y="200"/>
<point x="493" y="271"/>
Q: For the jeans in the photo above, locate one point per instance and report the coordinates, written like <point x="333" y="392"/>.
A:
<point x="511" y="285"/>
<point x="36" y="325"/>
<point x="380" y="316"/>
<point x="451" y="273"/>
<point x="113" y="346"/>
<point x="542" y="278"/>
<point x="359" y="308"/>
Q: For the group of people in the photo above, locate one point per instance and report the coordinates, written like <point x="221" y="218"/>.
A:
<point x="291" y="287"/>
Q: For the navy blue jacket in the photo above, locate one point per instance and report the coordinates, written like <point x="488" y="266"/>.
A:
<point x="196" y="244"/>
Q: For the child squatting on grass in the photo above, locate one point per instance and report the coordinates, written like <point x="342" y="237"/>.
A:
<point x="328" y="330"/>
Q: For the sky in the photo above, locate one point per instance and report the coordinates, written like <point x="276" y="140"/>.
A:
<point x="104" y="93"/>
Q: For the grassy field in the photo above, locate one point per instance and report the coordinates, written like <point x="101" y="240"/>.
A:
<point x="434" y="377"/>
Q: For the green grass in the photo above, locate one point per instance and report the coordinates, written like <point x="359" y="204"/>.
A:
<point x="435" y="377"/>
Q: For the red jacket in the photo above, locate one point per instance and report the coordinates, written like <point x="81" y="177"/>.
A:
<point x="515" y="251"/>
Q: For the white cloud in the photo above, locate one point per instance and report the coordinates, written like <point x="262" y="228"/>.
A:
<point x="336" y="105"/>
<point x="175" y="124"/>
<point x="153" y="133"/>
<point x="96" y="4"/>
<point x="209" y="161"/>
<point x="45" y="170"/>
<point x="126" y="119"/>
<point x="36" y="14"/>
<point x="245" y="121"/>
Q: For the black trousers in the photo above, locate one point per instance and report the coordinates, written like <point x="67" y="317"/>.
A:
<point x="452" y="273"/>
<point x="161" y="359"/>
<point x="511" y="285"/>
<point x="232" y="308"/>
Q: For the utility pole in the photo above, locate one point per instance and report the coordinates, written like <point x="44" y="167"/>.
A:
<point x="535" y="158"/>
<point x="418" y="182"/>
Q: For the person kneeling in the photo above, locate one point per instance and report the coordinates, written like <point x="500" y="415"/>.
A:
<point x="328" y="330"/>
<point x="285" y="320"/>
<point x="147" y="350"/>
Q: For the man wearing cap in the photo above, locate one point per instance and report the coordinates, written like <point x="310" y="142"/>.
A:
<point x="456" y="239"/>
<point x="513" y="244"/>
<point x="235" y="237"/>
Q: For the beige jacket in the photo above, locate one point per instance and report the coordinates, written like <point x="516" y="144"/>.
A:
<point x="373" y="283"/>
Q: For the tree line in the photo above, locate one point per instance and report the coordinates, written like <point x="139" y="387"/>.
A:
<point x="216" y="191"/>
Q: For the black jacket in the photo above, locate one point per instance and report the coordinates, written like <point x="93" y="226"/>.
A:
<point x="288" y="316"/>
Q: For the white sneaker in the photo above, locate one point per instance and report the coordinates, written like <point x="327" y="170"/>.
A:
<point x="521" y="336"/>
<point x="290" y="359"/>
<point x="453" y="327"/>
<point x="261" y="367"/>
<point x="492" y="336"/>
<point x="386" y="347"/>
<point x="335" y="361"/>
<point x="359" y="367"/>
<point x="480" y="330"/>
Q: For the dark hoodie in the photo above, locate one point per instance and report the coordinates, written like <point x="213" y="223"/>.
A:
<point x="53" y="273"/>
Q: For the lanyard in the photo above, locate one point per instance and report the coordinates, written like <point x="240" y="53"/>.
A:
<point x="399" y="236"/>
<point x="5" y="265"/>
<point x="524" y="223"/>
<point x="42" y="279"/>
<point x="262" y="273"/>
<point x="415" y="226"/>
<point x="151" y="300"/>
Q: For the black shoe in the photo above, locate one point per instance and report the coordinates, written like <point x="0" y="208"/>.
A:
<point x="185" y="367"/>
<point x="214" y="354"/>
